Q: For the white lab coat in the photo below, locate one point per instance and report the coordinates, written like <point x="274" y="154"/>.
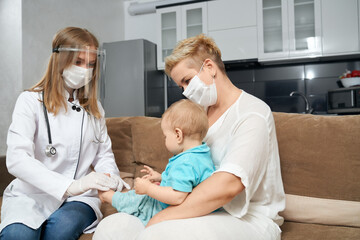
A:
<point x="42" y="181"/>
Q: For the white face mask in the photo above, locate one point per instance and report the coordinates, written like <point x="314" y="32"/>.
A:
<point x="76" y="77"/>
<point x="200" y="93"/>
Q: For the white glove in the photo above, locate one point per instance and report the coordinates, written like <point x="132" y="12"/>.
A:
<point x="120" y="183"/>
<point x="93" y="180"/>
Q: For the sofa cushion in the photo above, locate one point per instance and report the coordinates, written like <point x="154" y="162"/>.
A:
<point x="321" y="210"/>
<point x="148" y="144"/>
<point x="6" y="177"/>
<point x="320" y="155"/>
<point x="319" y="158"/>
<point x="301" y="231"/>
<point x="119" y="130"/>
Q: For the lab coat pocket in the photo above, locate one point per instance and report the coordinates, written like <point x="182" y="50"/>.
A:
<point x="19" y="188"/>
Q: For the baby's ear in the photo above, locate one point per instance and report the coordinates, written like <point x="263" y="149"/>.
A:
<point x="179" y="135"/>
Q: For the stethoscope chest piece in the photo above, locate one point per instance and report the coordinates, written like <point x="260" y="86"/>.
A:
<point x="50" y="150"/>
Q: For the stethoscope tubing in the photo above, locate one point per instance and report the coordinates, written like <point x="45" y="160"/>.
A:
<point x="47" y="121"/>
<point x="81" y="137"/>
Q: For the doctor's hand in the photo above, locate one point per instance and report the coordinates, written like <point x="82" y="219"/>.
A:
<point x="120" y="184"/>
<point x="93" y="180"/>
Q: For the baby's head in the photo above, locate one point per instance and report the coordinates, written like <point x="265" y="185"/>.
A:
<point x="184" y="120"/>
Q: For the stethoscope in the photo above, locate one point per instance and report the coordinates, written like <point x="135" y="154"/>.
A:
<point x="50" y="150"/>
<point x="96" y="125"/>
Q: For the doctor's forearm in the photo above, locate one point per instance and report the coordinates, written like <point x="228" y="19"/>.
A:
<point x="210" y="195"/>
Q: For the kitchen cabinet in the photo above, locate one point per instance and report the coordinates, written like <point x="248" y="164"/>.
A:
<point x="227" y="14"/>
<point x="288" y="29"/>
<point x="177" y="23"/>
<point x="340" y="27"/>
<point x="237" y="43"/>
<point x="232" y="24"/>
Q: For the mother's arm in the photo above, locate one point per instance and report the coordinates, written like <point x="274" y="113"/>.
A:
<point x="208" y="196"/>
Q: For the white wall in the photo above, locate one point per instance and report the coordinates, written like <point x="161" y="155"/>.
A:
<point x="103" y="18"/>
<point x="27" y="29"/>
<point x="10" y="63"/>
<point x="140" y="26"/>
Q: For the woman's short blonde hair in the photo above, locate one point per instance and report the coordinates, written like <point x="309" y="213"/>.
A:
<point x="196" y="50"/>
<point x="190" y="117"/>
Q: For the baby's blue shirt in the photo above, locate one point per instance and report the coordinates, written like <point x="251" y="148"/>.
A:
<point x="187" y="169"/>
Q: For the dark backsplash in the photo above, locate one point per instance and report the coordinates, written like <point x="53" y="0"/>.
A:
<point x="274" y="83"/>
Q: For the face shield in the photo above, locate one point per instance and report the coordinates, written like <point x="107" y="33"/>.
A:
<point x="80" y="68"/>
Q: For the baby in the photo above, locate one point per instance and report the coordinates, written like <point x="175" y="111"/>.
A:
<point x="184" y="125"/>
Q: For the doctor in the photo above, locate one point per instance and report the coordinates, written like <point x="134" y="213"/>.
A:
<point x="58" y="147"/>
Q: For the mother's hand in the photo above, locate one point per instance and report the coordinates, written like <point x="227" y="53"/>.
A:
<point x="216" y="191"/>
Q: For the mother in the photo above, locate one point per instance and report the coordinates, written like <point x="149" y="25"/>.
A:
<point x="247" y="183"/>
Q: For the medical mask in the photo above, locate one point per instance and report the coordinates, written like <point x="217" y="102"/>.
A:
<point x="200" y="93"/>
<point x="76" y="77"/>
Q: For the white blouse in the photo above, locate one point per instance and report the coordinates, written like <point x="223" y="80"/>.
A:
<point x="243" y="142"/>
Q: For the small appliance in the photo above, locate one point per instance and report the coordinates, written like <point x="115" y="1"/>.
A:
<point x="344" y="100"/>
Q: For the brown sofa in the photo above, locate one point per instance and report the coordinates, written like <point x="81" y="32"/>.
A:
<point x="320" y="160"/>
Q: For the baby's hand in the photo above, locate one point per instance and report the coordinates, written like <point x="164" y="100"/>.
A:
<point x="106" y="196"/>
<point x="141" y="185"/>
<point x="151" y="174"/>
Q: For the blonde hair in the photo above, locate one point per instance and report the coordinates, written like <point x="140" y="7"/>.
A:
<point x="190" y="117"/>
<point x="52" y="82"/>
<point x="196" y="50"/>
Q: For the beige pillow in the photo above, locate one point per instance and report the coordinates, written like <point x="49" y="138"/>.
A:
<point x="321" y="211"/>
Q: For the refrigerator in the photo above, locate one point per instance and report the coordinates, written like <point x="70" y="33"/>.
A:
<point x="131" y="84"/>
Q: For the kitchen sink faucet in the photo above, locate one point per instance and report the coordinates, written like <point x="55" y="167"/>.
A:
<point x="308" y="109"/>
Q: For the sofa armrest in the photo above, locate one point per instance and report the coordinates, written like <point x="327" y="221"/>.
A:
<point x="5" y="176"/>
